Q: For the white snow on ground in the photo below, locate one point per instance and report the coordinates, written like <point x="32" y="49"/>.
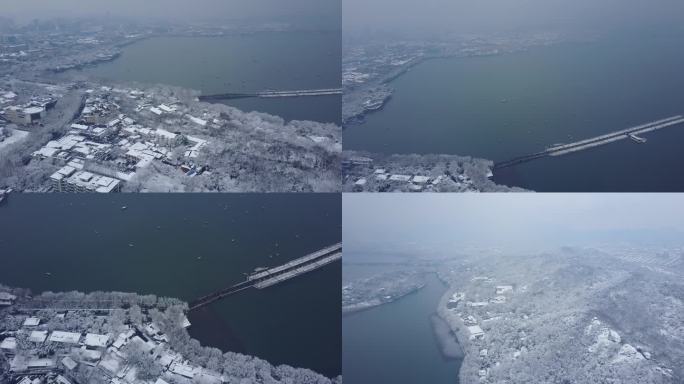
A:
<point x="628" y="354"/>
<point x="606" y="338"/>
<point x="17" y="136"/>
<point x="607" y="343"/>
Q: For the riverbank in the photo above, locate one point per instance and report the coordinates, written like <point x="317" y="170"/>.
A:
<point x="399" y="338"/>
<point x="142" y="338"/>
<point x="226" y="149"/>
<point x="370" y="68"/>
<point x="238" y="63"/>
<point x="364" y="294"/>
<point x="185" y="246"/>
<point x="366" y="172"/>
<point x="458" y="333"/>
<point x="501" y="107"/>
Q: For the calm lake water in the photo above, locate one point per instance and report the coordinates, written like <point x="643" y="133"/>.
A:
<point x="500" y="107"/>
<point x="185" y="246"/>
<point x="395" y="342"/>
<point x="240" y="63"/>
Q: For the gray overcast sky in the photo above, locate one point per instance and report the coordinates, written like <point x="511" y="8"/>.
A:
<point x="475" y="16"/>
<point x="373" y="222"/>
<point x="314" y="11"/>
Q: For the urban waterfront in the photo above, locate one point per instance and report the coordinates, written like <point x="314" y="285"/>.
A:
<point x="245" y="62"/>
<point x="503" y="106"/>
<point x="186" y="246"/>
<point x="395" y="342"/>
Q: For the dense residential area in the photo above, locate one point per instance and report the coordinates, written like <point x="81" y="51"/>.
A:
<point x="117" y="338"/>
<point x="365" y="172"/>
<point x="61" y="130"/>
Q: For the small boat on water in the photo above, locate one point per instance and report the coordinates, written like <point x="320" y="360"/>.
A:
<point x="637" y="139"/>
<point x="4" y="194"/>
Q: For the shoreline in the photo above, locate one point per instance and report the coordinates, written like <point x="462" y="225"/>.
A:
<point x="308" y="151"/>
<point x="382" y="85"/>
<point x="373" y="172"/>
<point x="456" y="327"/>
<point x="347" y="311"/>
<point x="453" y="338"/>
<point x="167" y="315"/>
<point x="379" y="92"/>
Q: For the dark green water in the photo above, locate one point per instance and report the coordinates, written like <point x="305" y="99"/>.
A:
<point x="500" y="107"/>
<point x="395" y="343"/>
<point x="240" y="63"/>
<point x="83" y="241"/>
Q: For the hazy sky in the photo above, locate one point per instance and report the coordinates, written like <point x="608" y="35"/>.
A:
<point x="374" y="222"/>
<point x="475" y="16"/>
<point x="313" y="11"/>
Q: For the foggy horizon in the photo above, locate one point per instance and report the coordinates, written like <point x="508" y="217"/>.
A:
<point x="445" y="224"/>
<point x="408" y="17"/>
<point x="300" y="13"/>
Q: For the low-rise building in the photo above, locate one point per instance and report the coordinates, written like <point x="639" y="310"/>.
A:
<point x="9" y="344"/>
<point x="96" y="341"/>
<point x="7" y="299"/>
<point x="69" y="363"/>
<point x="111" y="365"/>
<point x="402" y="178"/>
<point x="65" y="337"/>
<point x="37" y="363"/>
<point x="84" y="181"/>
<point x="24" y="115"/>
<point x="501" y="289"/>
<point x="475" y="332"/>
<point x="62" y="380"/>
<point x="31" y="322"/>
<point x="198" y="121"/>
<point x="38" y="336"/>
<point x="470" y="320"/>
<point x="182" y="369"/>
<point x="28" y="380"/>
